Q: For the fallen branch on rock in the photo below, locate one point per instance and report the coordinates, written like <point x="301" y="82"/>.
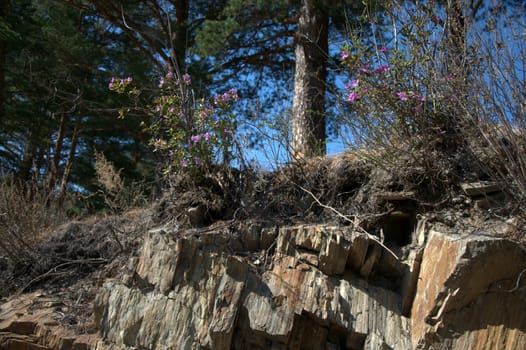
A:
<point x="54" y="272"/>
<point x="346" y="218"/>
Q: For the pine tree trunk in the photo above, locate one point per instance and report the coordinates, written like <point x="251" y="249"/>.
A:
<point x="53" y="172"/>
<point x="180" y="35"/>
<point x="3" y="53"/>
<point x="456" y="67"/>
<point x="69" y="162"/>
<point x="456" y="34"/>
<point x="308" y="105"/>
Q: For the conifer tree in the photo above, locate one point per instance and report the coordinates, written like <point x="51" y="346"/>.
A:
<point x="281" y="41"/>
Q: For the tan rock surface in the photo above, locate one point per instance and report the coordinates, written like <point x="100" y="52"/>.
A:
<point x="35" y="321"/>
<point x="298" y="287"/>
<point x="468" y="294"/>
<point x="220" y="301"/>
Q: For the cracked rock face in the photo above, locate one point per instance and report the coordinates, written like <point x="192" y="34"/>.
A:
<point x="469" y="294"/>
<point x="315" y="287"/>
<point x="299" y="287"/>
<point x="306" y="291"/>
<point x="35" y="321"/>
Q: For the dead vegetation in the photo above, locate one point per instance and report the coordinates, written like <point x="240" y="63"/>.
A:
<point x="384" y="194"/>
<point x="73" y="251"/>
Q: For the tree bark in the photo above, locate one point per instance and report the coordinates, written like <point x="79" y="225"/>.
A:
<point x="25" y="165"/>
<point x="180" y="34"/>
<point x="69" y="162"/>
<point x="57" y="150"/>
<point x="3" y="53"/>
<point x="308" y="105"/>
<point x="456" y="34"/>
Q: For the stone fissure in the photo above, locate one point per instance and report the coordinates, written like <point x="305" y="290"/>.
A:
<point x="319" y="287"/>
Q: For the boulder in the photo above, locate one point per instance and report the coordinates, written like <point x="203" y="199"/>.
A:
<point x="468" y="287"/>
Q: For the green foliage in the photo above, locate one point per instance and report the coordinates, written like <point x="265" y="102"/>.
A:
<point x="191" y="135"/>
<point x="57" y="66"/>
<point x="244" y="36"/>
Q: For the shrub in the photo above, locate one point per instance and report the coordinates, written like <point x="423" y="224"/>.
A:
<point x="117" y="194"/>
<point x="402" y="91"/>
<point x="446" y="104"/>
<point x="191" y="135"/>
<point x="27" y="212"/>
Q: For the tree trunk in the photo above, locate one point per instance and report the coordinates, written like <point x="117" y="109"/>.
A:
<point x="3" y="53"/>
<point x="180" y="35"/>
<point x="308" y="105"/>
<point x="57" y="150"/>
<point x="69" y="162"/>
<point x="456" y="35"/>
<point x="25" y="165"/>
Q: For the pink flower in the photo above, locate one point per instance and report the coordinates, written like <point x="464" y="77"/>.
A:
<point x="420" y="98"/>
<point x="195" y="138"/>
<point x="382" y="69"/>
<point x="344" y="55"/>
<point x="184" y="163"/>
<point x="383" y="49"/>
<point x="233" y="94"/>
<point x="186" y="78"/>
<point x="353" y="84"/>
<point x="161" y="82"/>
<point x="401" y="95"/>
<point x="365" y="69"/>
<point x="169" y="75"/>
<point x="353" y="96"/>
<point x="207" y="136"/>
<point x="198" y="161"/>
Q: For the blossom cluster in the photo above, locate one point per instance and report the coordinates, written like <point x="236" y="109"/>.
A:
<point x="119" y="84"/>
<point x="191" y="134"/>
<point x="171" y="79"/>
<point x="399" y="86"/>
<point x="226" y="98"/>
<point x="374" y="80"/>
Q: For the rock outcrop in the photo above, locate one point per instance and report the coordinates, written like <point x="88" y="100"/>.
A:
<point x="470" y="294"/>
<point x="36" y="321"/>
<point x="251" y="285"/>
<point x="315" y="287"/>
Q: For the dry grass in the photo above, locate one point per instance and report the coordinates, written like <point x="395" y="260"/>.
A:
<point x="27" y="213"/>
<point x="118" y="195"/>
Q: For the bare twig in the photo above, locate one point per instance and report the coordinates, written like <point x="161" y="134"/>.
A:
<point x="346" y="218"/>
<point x="113" y="231"/>
<point x="53" y="271"/>
<point x="517" y="283"/>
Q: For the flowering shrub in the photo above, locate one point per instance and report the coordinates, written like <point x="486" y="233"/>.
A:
<point x="400" y="91"/>
<point x="191" y="134"/>
<point x="121" y="85"/>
